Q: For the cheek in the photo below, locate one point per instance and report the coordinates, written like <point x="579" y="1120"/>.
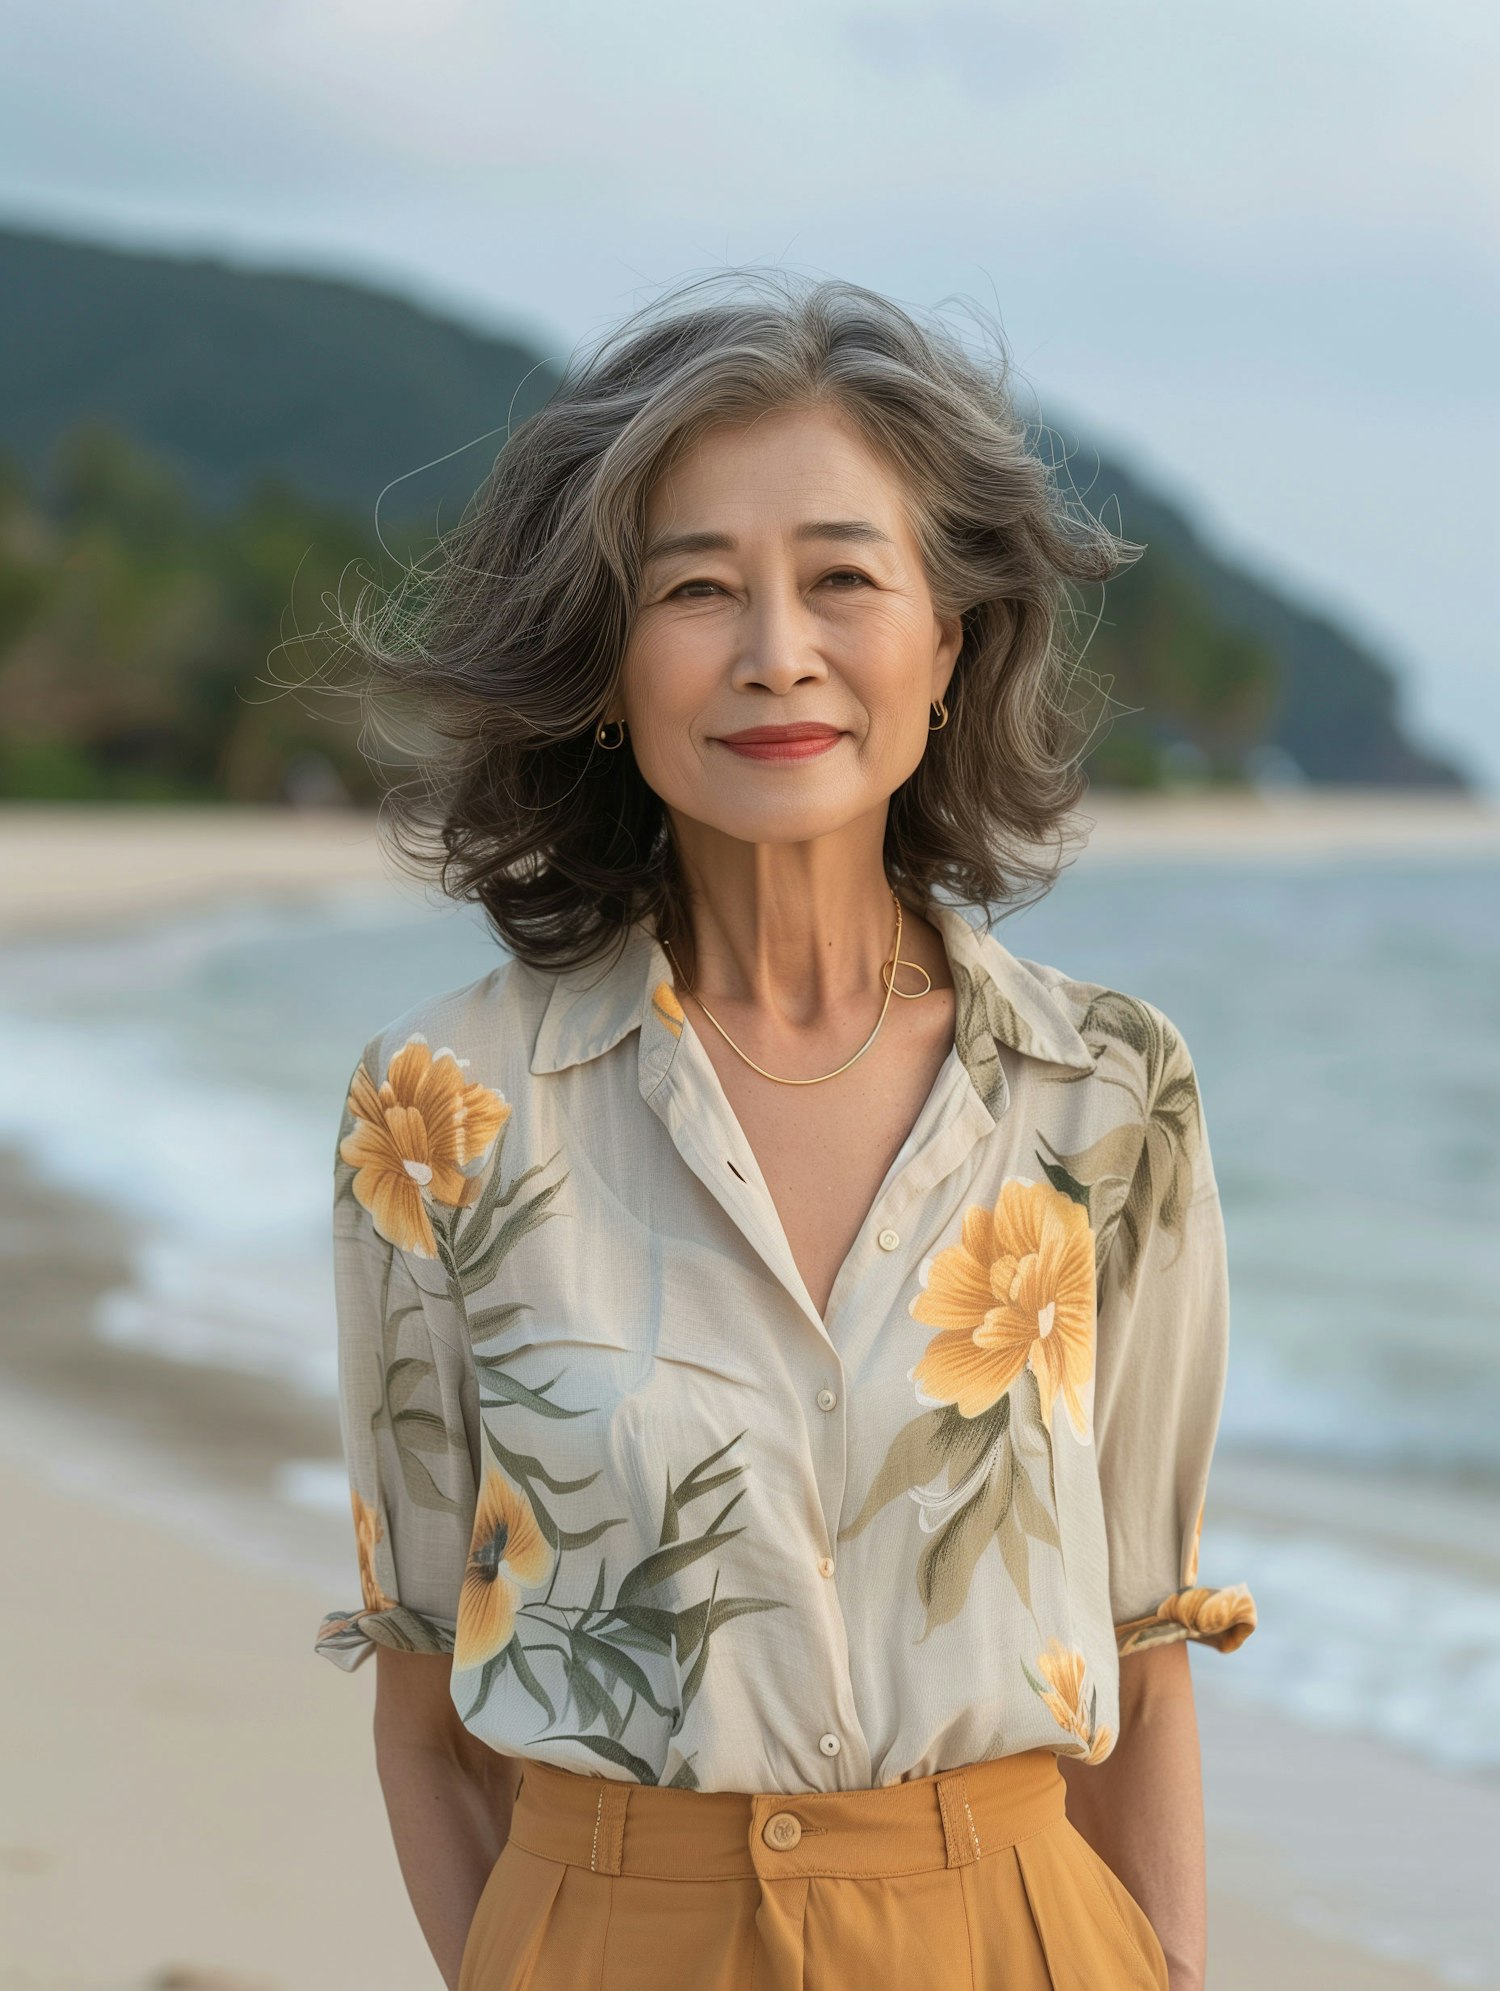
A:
<point x="889" y="673"/>
<point x="666" y="685"/>
<point x="666" y="677"/>
<point x="895" y="742"/>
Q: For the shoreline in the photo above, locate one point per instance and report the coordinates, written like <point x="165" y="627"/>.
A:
<point x="65" y="867"/>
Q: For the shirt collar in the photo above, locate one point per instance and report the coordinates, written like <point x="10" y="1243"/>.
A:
<point x="590" y="1009"/>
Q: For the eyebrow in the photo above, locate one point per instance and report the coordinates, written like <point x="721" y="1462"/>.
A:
<point x="854" y="531"/>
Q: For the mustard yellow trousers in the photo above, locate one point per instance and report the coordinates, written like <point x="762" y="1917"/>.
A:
<point x="970" y="1880"/>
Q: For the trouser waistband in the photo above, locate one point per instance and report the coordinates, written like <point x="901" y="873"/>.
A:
<point x="951" y="1819"/>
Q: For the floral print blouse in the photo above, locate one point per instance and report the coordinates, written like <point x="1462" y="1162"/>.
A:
<point x="673" y="1525"/>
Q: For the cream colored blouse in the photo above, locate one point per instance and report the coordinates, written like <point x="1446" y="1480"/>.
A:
<point x="675" y="1527"/>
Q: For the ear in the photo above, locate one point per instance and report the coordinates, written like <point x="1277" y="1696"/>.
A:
<point x="945" y="657"/>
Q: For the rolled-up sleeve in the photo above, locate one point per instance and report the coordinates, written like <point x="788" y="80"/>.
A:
<point x="403" y="1374"/>
<point x="1162" y="1352"/>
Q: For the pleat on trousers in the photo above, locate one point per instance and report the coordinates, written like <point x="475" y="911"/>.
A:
<point x="973" y="1879"/>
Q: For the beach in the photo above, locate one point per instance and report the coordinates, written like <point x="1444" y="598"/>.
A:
<point x="64" y="864"/>
<point x="190" y="1801"/>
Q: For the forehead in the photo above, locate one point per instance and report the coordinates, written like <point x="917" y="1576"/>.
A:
<point x="793" y="461"/>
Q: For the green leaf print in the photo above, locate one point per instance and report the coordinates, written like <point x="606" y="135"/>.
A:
<point x="491" y="1322"/>
<point x="403" y="1378"/>
<point x="529" y="1681"/>
<point x="971" y="1487"/>
<point x="1155" y="1154"/>
<point x="693" y="1487"/>
<point x="1065" y="1183"/>
<point x="946" y="1566"/>
<point x="595" y="1644"/>
<point x="412" y="1429"/>
<point x="592" y="1698"/>
<point x="671" y="1560"/>
<point x="609" y="1659"/>
<point x="917" y="1453"/>
<point x="424" y="1430"/>
<point x="508" y="1390"/>
<point x="613" y="1752"/>
<point x="984" y="1020"/>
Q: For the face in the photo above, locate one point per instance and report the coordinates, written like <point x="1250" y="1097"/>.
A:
<point x="795" y="600"/>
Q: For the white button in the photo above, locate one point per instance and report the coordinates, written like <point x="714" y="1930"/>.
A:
<point x="888" y="1240"/>
<point x="825" y="1565"/>
<point x="829" y="1744"/>
<point x="826" y="1399"/>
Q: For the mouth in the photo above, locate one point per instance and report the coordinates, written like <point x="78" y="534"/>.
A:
<point x="797" y="742"/>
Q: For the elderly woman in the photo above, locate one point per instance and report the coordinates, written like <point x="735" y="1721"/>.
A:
<point x="781" y="1331"/>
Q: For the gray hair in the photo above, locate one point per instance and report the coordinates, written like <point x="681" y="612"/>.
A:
<point x="499" y="651"/>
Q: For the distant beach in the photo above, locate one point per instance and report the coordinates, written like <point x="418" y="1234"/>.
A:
<point x="190" y="1801"/>
<point x="62" y="863"/>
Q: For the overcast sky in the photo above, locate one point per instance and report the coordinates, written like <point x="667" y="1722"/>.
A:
<point x="1255" y="249"/>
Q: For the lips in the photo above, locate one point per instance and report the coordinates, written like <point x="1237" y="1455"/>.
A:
<point x="773" y="736"/>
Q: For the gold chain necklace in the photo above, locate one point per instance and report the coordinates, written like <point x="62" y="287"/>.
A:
<point x="907" y="995"/>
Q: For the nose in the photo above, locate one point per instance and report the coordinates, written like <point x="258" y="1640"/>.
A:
<point x="781" y="642"/>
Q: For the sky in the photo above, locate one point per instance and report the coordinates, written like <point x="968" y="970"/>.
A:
<point x="1252" y="250"/>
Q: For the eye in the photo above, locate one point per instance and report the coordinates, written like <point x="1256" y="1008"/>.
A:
<point x="838" y="574"/>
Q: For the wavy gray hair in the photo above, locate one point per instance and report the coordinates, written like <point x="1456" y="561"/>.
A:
<point x="490" y="662"/>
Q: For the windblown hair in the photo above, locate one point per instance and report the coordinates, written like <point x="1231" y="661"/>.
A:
<point x="498" y="652"/>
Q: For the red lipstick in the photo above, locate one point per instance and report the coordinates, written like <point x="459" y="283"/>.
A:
<point x="786" y="743"/>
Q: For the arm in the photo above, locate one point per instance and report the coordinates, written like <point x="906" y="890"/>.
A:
<point x="1141" y="1809"/>
<point x="1163" y="1343"/>
<point x="408" y="1413"/>
<point x="448" y="1797"/>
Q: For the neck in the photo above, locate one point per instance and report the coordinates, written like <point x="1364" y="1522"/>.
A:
<point x="794" y="931"/>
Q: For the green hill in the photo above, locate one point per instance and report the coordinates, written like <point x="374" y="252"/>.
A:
<point x="190" y="453"/>
<point x="226" y="374"/>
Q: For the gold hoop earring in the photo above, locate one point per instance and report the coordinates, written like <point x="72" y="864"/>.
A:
<point x="940" y="707"/>
<point x="609" y="745"/>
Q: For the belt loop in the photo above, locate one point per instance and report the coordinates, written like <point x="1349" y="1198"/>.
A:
<point x="960" y="1833"/>
<point x="608" y="1842"/>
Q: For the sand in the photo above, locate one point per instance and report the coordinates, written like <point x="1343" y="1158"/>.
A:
<point x="189" y="1800"/>
<point x="63" y="864"/>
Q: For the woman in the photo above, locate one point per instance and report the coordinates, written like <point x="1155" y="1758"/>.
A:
<point x="781" y="1331"/>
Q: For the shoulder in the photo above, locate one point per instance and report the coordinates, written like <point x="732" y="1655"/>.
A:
<point x="1119" y="1027"/>
<point x="486" y="1027"/>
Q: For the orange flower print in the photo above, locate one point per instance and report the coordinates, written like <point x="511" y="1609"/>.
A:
<point x="506" y="1543"/>
<point x="668" y="1008"/>
<point x="1062" y="1668"/>
<point x="413" y="1136"/>
<point x="1224" y="1618"/>
<point x="367" y="1532"/>
<point x="1018" y="1289"/>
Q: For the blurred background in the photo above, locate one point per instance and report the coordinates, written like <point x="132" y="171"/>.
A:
<point x="273" y="281"/>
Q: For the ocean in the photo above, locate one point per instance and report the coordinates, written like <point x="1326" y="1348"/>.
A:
<point x="1343" y="1015"/>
